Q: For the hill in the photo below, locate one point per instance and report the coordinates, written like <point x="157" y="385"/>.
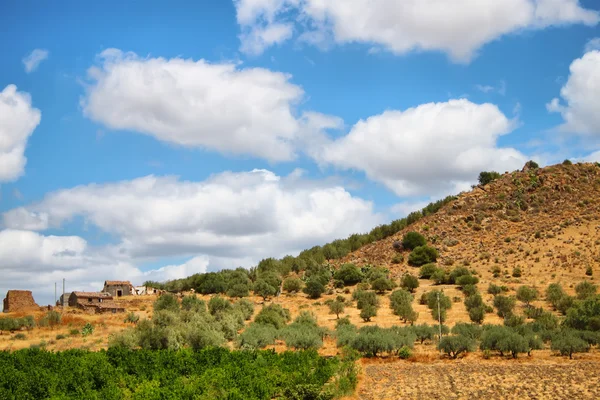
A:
<point x="544" y="221"/>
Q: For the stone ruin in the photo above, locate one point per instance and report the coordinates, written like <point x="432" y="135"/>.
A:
<point x="19" y="300"/>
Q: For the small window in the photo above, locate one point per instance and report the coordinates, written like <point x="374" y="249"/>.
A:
<point x="90" y="300"/>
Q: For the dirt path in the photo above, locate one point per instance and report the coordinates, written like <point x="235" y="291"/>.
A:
<point x="480" y="380"/>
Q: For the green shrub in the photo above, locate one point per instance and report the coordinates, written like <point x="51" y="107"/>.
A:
<point x="21" y="336"/>
<point x="350" y="274"/>
<point x="584" y="315"/>
<point x="398" y="259"/>
<point x="367" y="312"/>
<point x="239" y="290"/>
<point x="554" y="292"/>
<point x="292" y="285"/>
<point x="401" y="304"/>
<point x="373" y="340"/>
<point x="585" y="290"/>
<point x="380" y="285"/>
<point x="131" y="318"/>
<point x="465" y="280"/>
<point x="423" y="255"/>
<point x="412" y="240"/>
<point x="469" y="290"/>
<point x="304" y="333"/>
<point x="409" y="282"/>
<point x="470" y="331"/>
<point x="427" y="271"/>
<point x="345" y="334"/>
<point x="245" y="307"/>
<point x="453" y="346"/>
<point x="504" y="305"/>
<point x="526" y="294"/>
<point x="336" y="307"/>
<point x="494" y="289"/>
<point x="513" y="320"/>
<point x="567" y="343"/>
<point x="486" y="177"/>
<point x="516" y="273"/>
<point x="424" y="332"/>
<point x="364" y="298"/>
<point x="192" y="303"/>
<point x="477" y="314"/>
<point x="87" y="330"/>
<point x="218" y="305"/>
<point x="263" y="289"/>
<point x="589" y="271"/>
<point x="166" y="301"/>
<point x="314" y="288"/>
<point x="274" y="315"/>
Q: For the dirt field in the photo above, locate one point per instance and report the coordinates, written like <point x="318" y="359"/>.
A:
<point x="475" y="378"/>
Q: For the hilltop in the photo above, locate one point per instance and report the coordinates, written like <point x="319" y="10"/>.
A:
<point x="544" y="221"/>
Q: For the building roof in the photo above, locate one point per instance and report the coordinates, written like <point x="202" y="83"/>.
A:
<point x="117" y="283"/>
<point x="92" y="295"/>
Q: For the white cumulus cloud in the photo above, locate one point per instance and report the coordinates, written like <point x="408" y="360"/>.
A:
<point x="456" y="27"/>
<point x="18" y="120"/>
<point x="33" y="59"/>
<point x="216" y="106"/>
<point x="581" y="97"/>
<point x="432" y="149"/>
<point x="251" y="214"/>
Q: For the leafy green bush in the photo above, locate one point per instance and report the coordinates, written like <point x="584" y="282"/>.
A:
<point x="218" y="305"/>
<point x="438" y="303"/>
<point x="504" y="305"/>
<point x="469" y="290"/>
<point x="401" y="304"/>
<point x="192" y="302"/>
<point x="131" y="318"/>
<point x="526" y="294"/>
<point x="585" y="289"/>
<point x="263" y="289"/>
<point x="292" y="285"/>
<point x="424" y="332"/>
<point x="412" y="240"/>
<point x="274" y="315"/>
<point x="238" y="290"/>
<point x="465" y="280"/>
<point x="367" y="312"/>
<point x="87" y="330"/>
<point x="486" y="177"/>
<point x="568" y="342"/>
<point x="314" y="288"/>
<point x="245" y="308"/>
<point x="453" y="346"/>
<point x="494" y="289"/>
<point x="166" y="301"/>
<point x="336" y="307"/>
<point x="423" y="255"/>
<point x="427" y="271"/>
<point x="350" y="274"/>
<point x="477" y="314"/>
<point x="304" y="333"/>
<point x="380" y="285"/>
<point x="409" y="282"/>
<point x="119" y="373"/>
<point x="584" y="315"/>
<point x="364" y="298"/>
<point x="470" y="331"/>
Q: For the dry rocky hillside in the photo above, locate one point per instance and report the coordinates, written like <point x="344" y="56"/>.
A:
<point x="544" y="221"/>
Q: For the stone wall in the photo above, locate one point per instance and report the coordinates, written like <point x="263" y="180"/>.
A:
<point x="19" y="300"/>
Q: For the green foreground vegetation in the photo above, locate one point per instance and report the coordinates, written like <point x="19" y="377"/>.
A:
<point x="214" y="373"/>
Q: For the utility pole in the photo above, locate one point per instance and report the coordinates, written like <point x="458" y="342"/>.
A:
<point x="439" y="314"/>
<point x="54" y="305"/>
<point x="63" y="297"/>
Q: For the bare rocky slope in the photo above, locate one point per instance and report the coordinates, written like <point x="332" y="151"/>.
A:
<point x="544" y="221"/>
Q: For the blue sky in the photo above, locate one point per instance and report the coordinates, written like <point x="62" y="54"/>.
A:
<point x="190" y="136"/>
